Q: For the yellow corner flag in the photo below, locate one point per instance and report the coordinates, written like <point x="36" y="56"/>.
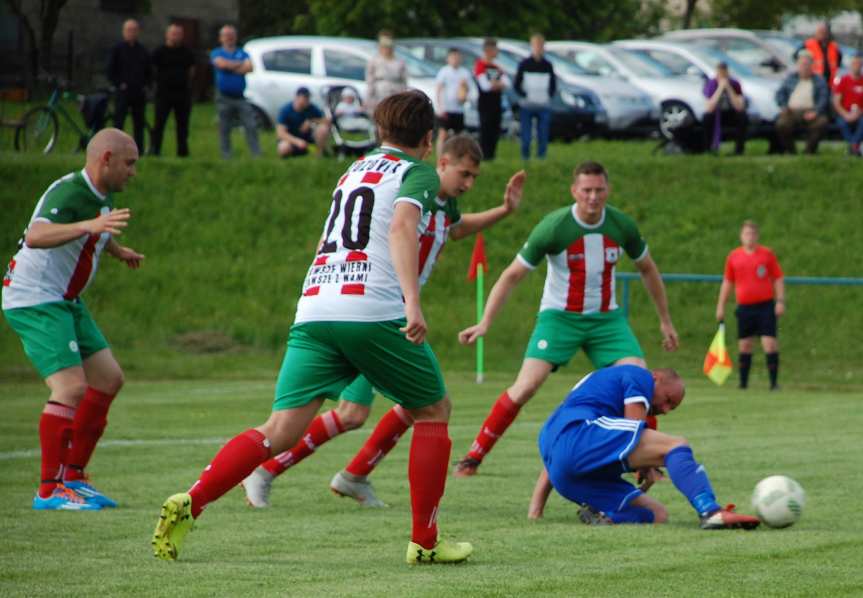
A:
<point x="717" y="363"/>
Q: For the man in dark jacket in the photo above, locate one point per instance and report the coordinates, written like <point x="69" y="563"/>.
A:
<point x="803" y="100"/>
<point x="129" y="72"/>
<point x="174" y="64"/>
<point x="536" y="83"/>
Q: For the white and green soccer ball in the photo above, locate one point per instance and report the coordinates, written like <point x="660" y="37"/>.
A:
<point x="778" y="501"/>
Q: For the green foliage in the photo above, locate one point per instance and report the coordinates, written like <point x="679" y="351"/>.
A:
<point x="769" y="14"/>
<point x="228" y="244"/>
<point x="310" y="543"/>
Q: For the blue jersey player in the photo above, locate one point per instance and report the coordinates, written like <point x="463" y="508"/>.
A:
<point x="599" y="433"/>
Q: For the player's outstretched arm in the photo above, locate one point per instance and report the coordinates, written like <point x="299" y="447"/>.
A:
<point x="541" y="491"/>
<point x="656" y="288"/>
<point x="508" y="280"/>
<point x="473" y="223"/>
<point x="132" y="258"/>
<point x="44" y="235"/>
<point x="404" y="252"/>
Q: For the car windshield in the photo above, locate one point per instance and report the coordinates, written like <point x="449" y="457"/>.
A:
<point x="562" y="64"/>
<point x="783" y="44"/>
<point x="417" y="67"/>
<point x="713" y="56"/>
<point x="641" y="64"/>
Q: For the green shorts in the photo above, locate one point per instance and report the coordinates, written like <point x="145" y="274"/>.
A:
<point x="359" y="391"/>
<point x="57" y="335"/>
<point x="604" y="337"/>
<point x="323" y="358"/>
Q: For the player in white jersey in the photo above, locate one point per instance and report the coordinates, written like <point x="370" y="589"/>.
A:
<point x="359" y="313"/>
<point x="458" y="166"/>
<point x="57" y="258"/>
<point x="582" y="244"/>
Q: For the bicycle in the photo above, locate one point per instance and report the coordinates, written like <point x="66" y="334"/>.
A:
<point x="39" y="129"/>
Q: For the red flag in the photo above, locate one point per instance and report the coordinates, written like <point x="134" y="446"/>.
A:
<point x="477" y="257"/>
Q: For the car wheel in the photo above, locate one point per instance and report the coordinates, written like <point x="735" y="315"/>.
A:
<point x="674" y="115"/>
<point x="262" y="120"/>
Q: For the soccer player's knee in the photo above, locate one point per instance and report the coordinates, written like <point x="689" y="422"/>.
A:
<point x="115" y="381"/>
<point x="70" y="394"/>
<point x="352" y="416"/>
<point x="676" y="442"/>
<point x="660" y="513"/>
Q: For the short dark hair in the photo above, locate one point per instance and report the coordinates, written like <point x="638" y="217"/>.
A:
<point x="405" y="118"/>
<point x="749" y="224"/>
<point x="589" y="167"/>
<point x="304" y="91"/>
<point x="453" y="50"/>
<point x="461" y="146"/>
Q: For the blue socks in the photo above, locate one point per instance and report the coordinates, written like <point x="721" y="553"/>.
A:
<point x="691" y="480"/>
<point x="632" y="515"/>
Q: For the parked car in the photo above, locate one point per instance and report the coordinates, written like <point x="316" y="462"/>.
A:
<point x="699" y="63"/>
<point x="284" y="64"/>
<point x="629" y="109"/>
<point x="678" y="98"/>
<point x="576" y="111"/>
<point x="745" y="47"/>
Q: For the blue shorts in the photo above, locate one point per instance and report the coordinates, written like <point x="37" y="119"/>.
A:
<point x="586" y="459"/>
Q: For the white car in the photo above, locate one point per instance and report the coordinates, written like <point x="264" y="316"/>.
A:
<point x="745" y="47"/>
<point x="678" y="98"/>
<point x="284" y="64"/>
<point x="700" y="62"/>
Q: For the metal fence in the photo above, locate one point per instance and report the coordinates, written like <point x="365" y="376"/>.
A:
<point x="627" y="277"/>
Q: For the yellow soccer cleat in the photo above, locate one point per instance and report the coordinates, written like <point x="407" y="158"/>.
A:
<point x="443" y="552"/>
<point x="175" y="521"/>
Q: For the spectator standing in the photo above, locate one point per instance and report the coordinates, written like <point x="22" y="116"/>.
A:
<point x="803" y="101"/>
<point x="754" y="272"/>
<point x="536" y="83"/>
<point x="726" y="107"/>
<point x="129" y="73"/>
<point x="300" y="123"/>
<point x="826" y="55"/>
<point x="231" y="65"/>
<point x="385" y="74"/>
<point x="848" y="103"/>
<point x="491" y="81"/>
<point x="452" y="86"/>
<point x="175" y="66"/>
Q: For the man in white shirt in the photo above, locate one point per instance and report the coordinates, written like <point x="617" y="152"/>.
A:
<point x="452" y="88"/>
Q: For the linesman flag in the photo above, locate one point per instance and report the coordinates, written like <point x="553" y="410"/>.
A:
<point x="717" y="363"/>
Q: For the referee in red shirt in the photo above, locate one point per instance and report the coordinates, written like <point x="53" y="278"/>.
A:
<point x="754" y="272"/>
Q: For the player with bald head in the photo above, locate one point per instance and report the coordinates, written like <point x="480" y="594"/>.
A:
<point x="73" y="223"/>
<point x="604" y="428"/>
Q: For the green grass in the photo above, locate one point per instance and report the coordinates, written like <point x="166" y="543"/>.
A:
<point x="310" y="543"/>
<point x="228" y="244"/>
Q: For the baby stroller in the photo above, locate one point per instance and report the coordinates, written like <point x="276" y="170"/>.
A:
<point x="353" y="133"/>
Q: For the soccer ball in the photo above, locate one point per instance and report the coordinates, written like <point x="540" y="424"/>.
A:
<point x="778" y="501"/>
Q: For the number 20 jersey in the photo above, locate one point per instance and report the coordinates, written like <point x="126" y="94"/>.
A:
<point x="353" y="278"/>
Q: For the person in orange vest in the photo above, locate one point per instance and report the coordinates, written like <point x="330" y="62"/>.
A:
<point x="826" y="55"/>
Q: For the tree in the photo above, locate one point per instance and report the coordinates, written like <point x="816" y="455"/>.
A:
<point x="689" y="13"/>
<point x="40" y="51"/>
<point x="768" y="14"/>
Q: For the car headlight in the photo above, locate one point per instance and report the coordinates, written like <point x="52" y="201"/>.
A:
<point x="571" y="99"/>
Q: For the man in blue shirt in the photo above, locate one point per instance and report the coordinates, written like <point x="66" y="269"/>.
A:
<point x="599" y="433"/>
<point x="231" y="64"/>
<point x="300" y="123"/>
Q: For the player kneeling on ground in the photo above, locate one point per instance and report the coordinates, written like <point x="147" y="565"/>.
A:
<point x="599" y="433"/>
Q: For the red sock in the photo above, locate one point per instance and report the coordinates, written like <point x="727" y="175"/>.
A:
<point x="382" y="440"/>
<point x="55" y="426"/>
<point x="427" y="468"/>
<point x="90" y="421"/>
<point x="501" y="416"/>
<point x="323" y="428"/>
<point x="231" y="465"/>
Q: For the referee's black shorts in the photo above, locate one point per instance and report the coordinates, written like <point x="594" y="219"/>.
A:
<point x="756" y="319"/>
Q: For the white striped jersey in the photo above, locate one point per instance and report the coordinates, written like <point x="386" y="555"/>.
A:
<point x="581" y="258"/>
<point x="37" y="276"/>
<point x="434" y="237"/>
<point x="352" y="278"/>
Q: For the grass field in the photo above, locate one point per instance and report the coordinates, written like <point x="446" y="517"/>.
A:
<point x="312" y="544"/>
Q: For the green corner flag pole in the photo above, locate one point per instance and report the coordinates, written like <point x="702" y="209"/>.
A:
<point x="480" y="343"/>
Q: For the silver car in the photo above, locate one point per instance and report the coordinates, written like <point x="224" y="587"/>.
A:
<point x="629" y="109"/>
<point x="284" y="64"/>
<point x="745" y="47"/>
<point x="678" y="98"/>
<point x="699" y="63"/>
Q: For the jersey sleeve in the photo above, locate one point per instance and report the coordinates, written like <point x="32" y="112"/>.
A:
<point x="637" y="387"/>
<point x="539" y="242"/>
<point x="453" y="212"/>
<point x="60" y="207"/>
<point x="633" y="243"/>
<point x="419" y="187"/>
<point x="729" y="269"/>
<point x="773" y="267"/>
<point x="315" y="112"/>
